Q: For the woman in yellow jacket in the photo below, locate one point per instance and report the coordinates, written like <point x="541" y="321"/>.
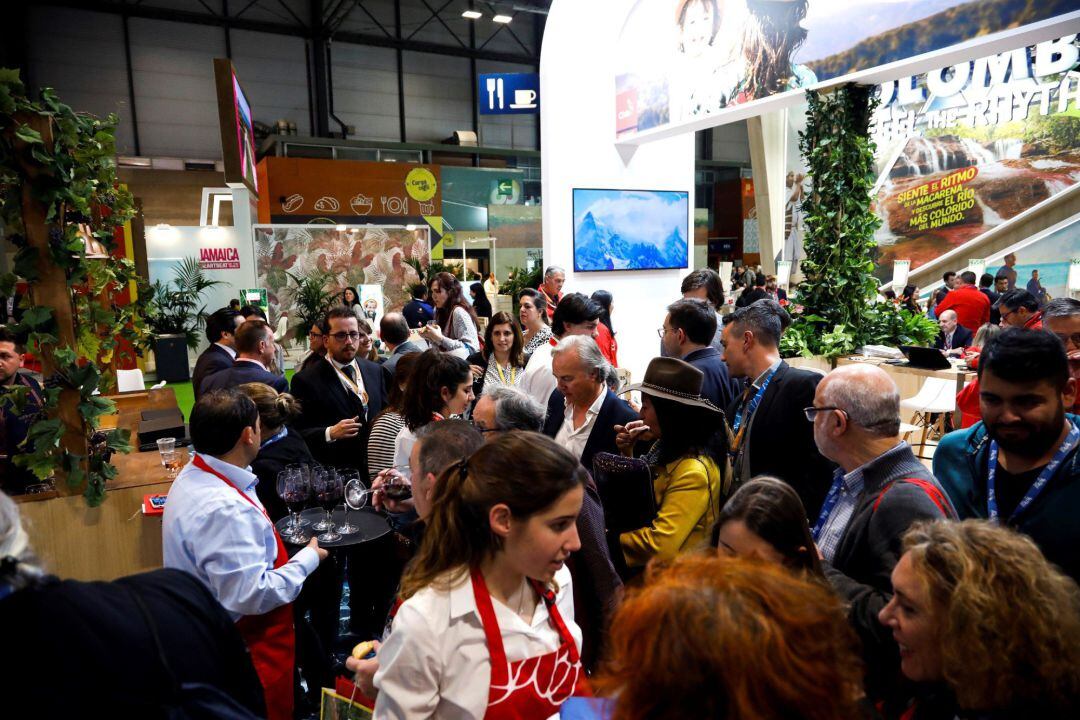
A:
<point x="687" y="460"/>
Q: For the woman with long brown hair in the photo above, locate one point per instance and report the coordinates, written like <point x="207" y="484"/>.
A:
<point x="766" y="519"/>
<point x="533" y="316"/>
<point x="456" y="328"/>
<point x="711" y="637"/>
<point x="502" y="362"/>
<point x="986" y="625"/>
<point x="487" y="627"/>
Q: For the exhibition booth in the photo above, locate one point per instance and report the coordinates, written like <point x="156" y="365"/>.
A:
<point x="622" y="89"/>
<point x="977" y="157"/>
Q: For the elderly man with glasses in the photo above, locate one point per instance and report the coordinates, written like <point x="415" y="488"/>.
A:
<point x="878" y="491"/>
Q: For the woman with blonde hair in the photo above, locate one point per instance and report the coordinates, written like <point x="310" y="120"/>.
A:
<point x="986" y="625"/>
<point x="281" y="445"/>
<point x="738" y="638"/>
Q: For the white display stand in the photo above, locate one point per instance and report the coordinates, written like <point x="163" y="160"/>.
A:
<point x="578" y="151"/>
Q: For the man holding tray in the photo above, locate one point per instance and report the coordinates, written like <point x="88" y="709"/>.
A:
<point x="215" y="528"/>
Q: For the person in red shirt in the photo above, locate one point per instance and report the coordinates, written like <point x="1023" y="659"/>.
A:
<point x="1019" y="308"/>
<point x="971" y="306"/>
<point x="551" y="288"/>
<point x="605" y="334"/>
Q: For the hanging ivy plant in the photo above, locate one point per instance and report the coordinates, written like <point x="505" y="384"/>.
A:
<point x="837" y="292"/>
<point x="73" y="176"/>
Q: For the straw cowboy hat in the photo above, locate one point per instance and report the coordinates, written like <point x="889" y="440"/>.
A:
<point x="673" y="379"/>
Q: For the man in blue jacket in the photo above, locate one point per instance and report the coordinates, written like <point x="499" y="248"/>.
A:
<point x="1020" y="466"/>
<point x="688" y="329"/>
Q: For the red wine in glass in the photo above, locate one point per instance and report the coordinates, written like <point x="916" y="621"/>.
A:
<point x="329" y="497"/>
<point x="397" y="491"/>
<point x="295" y="500"/>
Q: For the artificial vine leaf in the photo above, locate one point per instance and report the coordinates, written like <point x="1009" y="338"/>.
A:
<point x="28" y="135"/>
<point x="37" y="317"/>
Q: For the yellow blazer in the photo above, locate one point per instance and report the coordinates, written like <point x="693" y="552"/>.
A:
<point x="688" y="494"/>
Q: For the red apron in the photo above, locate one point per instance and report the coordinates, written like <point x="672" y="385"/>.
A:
<point x="533" y="688"/>
<point x="270" y="637"/>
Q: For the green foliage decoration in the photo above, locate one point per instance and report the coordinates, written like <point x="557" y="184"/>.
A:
<point x="75" y="179"/>
<point x="311" y="299"/>
<point x="836" y="296"/>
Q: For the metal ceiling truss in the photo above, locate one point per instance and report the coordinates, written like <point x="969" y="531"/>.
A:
<point x="337" y="12"/>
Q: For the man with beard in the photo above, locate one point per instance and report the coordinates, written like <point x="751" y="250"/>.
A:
<point x="1020" y="466"/>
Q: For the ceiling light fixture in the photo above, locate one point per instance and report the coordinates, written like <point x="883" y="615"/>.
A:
<point x="472" y="14"/>
<point x="503" y="19"/>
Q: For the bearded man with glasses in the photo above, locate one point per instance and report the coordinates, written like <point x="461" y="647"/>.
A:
<point x="339" y="396"/>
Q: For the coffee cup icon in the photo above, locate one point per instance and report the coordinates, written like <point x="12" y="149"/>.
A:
<point x="524" y="99"/>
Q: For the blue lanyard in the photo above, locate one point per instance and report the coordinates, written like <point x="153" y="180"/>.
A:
<point x="830" y="502"/>
<point x="281" y="434"/>
<point x="755" y="401"/>
<point x="1036" y="487"/>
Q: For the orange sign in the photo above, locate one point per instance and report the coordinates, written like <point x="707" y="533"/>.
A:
<point x="298" y="190"/>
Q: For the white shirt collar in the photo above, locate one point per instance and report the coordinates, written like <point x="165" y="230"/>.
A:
<point x="761" y="378"/>
<point x="242" y="478"/>
<point x="253" y="361"/>
<point x="594" y="408"/>
<point x="339" y="366"/>
<point x="226" y="348"/>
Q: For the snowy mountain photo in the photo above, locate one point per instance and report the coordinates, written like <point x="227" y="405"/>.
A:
<point x="630" y="229"/>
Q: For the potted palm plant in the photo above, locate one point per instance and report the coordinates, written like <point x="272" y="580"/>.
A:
<point x="177" y="314"/>
<point x="311" y="297"/>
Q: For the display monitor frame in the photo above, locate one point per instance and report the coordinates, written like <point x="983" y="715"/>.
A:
<point x="684" y="226"/>
<point x="237" y="131"/>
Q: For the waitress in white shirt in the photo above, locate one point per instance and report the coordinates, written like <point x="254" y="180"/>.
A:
<point x="487" y="627"/>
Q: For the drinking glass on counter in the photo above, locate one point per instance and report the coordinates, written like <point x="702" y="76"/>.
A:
<point x="350" y="481"/>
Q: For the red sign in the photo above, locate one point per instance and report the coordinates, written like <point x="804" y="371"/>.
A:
<point x="219" y="258"/>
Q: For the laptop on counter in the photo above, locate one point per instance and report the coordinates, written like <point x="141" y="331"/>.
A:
<point x="926" y="358"/>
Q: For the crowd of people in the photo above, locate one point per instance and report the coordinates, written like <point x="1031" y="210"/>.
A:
<point x="752" y="540"/>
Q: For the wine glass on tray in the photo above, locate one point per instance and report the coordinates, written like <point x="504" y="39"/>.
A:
<point x="326" y="486"/>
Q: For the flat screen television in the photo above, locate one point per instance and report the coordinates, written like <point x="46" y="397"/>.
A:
<point x="630" y="229"/>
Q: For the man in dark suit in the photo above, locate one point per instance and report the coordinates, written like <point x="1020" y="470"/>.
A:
<point x="953" y="337"/>
<point x="255" y="348"/>
<point x="417" y="312"/>
<point x="340" y="396"/>
<point x="986" y="287"/>
<point x="220" y="331"/>
<point x="394" y="332"/>
<point x="582" y="411"/>
<point x="770" y="432"/>
<point x="687" y="333"/>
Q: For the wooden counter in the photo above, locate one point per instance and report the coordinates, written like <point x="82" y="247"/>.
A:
<point x="114" y="539"/>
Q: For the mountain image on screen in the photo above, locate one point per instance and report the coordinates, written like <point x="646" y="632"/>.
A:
<point x="644" y="243"/>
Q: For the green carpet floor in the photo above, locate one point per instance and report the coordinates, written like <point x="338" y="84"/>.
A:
<point x="185" y="394"/>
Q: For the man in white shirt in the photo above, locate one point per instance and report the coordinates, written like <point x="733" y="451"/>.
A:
<point x="582" y="412"/>
<point x="575" y="315"/>
<point x="215" y="528"/>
